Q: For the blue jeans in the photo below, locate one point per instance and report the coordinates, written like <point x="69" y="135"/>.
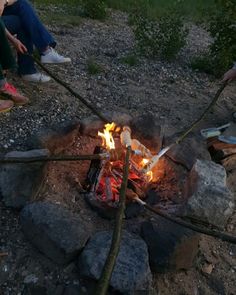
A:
<point x="21" y="19"/>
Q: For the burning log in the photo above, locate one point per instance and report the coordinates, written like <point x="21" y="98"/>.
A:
<point x="95" y="171"/>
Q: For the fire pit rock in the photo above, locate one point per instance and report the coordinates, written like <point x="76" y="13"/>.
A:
<point x="147" y="130"/>
<point x="208" y="197"/>
<point x="187" y="152"/>
<point x="171" y="247"/>
<point x="54" y="230"/>
<point x="19" y="183"/>
<point x="131" y="272"/>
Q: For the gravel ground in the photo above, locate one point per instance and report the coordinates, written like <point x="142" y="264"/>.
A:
<point x="171" y="91"/>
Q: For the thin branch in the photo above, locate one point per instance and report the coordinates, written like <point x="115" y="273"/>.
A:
<point x="67" y="87"/>
<point x="210" y="106"/>
<point x="104" y="280"/>
<point x="64" y="158"/>
<point x="217" y="234"/>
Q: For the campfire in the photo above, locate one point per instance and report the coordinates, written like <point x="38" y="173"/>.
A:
<point x="105" y="176"/>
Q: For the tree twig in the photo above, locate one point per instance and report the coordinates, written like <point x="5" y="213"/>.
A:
<point x="104" y="280"/>
<point x="217" y="234"/>
<point x="64" y="158"/>
<point x="74" y="93"/>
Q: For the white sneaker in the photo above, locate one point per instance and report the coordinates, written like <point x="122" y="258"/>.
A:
<point x="37" y="78"/>
<point x="52" y="57"/>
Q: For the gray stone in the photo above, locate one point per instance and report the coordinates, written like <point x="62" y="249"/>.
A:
<point x="19" y="183"/>
<point x="91" y="125"/>
<point x="208" y="197"/>
<point x="171" y="247"/>
<point x="54" y="230"/>
<point x="146" y="129"/>
<point x="187" y="152"/>
<point x="131" y="272"/>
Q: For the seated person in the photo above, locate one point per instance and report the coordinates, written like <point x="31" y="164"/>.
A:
<point x="20" y="18"/>
<point x="7" y="62"/>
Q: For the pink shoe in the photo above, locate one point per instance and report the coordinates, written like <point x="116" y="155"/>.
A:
<point x="6" y="105"/>
<point x="14" y="95"/>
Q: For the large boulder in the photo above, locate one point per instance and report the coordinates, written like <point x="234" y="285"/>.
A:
<point x="171" y="247"/>
<point x="19" y="183"/>
<point x="208" y="197"/>
<point x="131" y="272"/>
<point x="54" y="230"/>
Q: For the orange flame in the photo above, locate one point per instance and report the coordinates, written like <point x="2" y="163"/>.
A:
<point x="149" y="173"/>
<point x="107" y="138"/>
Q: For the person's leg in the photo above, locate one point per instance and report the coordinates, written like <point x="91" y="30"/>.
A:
<point x="25" y="62"/>
<point x="26" y="66"/>
<point x="37" y="32"/>
<point x="7" y="60"/>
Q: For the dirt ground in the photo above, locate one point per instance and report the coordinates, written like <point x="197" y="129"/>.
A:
<point x="173" y="92"/>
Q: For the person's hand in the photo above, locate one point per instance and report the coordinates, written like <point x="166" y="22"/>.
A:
<point x="20" y="47"/>
<point x="1" y="6"/>
<point x="230" y="75"/>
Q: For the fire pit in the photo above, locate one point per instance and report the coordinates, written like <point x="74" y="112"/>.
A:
<point x="182" y="182"/>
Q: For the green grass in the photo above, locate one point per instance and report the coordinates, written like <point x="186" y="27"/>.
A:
<point x="59" y="12"/>
<point x="93" y="67"/>
<point x="130" y="60"/>
<point x="192" y="9"/>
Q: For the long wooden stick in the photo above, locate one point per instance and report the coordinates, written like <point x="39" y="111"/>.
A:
<point x="64" y="158"/>
<point x="104" y="280"/>
<point x="74" y="93"/>
<point x="210" y="106"/>
<point x="217" y="234"/>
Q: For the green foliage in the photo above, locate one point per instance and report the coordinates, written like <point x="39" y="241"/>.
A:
<point x="93" y="67"/>
<point x="222" y="28"/>
<point x="130" y="60"/>
<point x="95" y="9"/>
<point x="164" y="37"/>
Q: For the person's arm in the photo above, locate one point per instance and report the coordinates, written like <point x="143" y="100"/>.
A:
<point x="230" y="75"/>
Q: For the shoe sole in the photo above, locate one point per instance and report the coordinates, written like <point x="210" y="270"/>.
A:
<point x="20" y="103"/>
<point x="55" y="63"/>
<point x="6" y="110"/>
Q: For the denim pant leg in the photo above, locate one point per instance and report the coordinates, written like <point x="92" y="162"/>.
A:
<point x="25" y="62"/>
<point x="32" y="25"/>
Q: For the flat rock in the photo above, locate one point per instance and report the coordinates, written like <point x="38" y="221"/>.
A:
<point x="171" y="247"/>
<point x="187" y="152"/>
<point x="54" y="230"/>
<point x="131" y="272"/>
<point x="19" y="183"/>
<point x="59" y="137"/>
<point x="208" y="197"/>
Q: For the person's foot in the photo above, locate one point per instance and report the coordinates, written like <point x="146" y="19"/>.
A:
<point x="52" y="57"/>
<point x="6" y="105"/>
<point x="13" y="94"/>
<point x="36" y="77"/>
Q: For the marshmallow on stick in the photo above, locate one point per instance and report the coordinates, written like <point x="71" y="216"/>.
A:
<point x="125" y="136"/>
<point x="154" y="160"/>
<point x="138" y="146"/>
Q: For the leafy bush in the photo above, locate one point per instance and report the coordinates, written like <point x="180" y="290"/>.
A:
<point x="222" y="27"/>
<point x="164" y="37"/>
<point x="95" y="9"/>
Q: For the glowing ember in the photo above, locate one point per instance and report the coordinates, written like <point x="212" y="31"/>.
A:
<point x="112" y="172"/>
<point x="107" y="138"/>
